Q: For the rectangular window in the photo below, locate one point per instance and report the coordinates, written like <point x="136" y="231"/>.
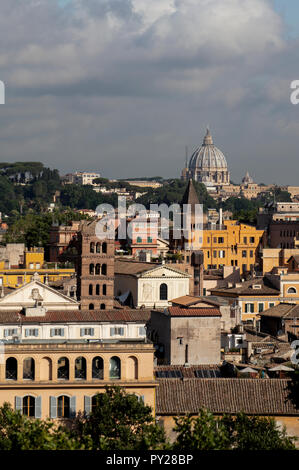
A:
<point x="19" y="280"/>
<point x="86" y="331"/>
<point x="251" y="239"/>
<point x="31" y="332"/>
<point x="10" y="332"/>
<point x="117" y="331"/>
<point x="271" y="304"/>
<point x="215" y="240"/>
<point x="149" y="240"/>
<point x="249" y="308"/>
<point x="251" y="253"/>
<point x="244" y="253"/>
<point x="220" y="240"/>
<point x="57" y="332"/>
<point x="215" y="254"/>
<point x="222" y="254"/>
<point x="245" y="239"/>
<point x="261" y="307"/>
<point x="141" y="331"/>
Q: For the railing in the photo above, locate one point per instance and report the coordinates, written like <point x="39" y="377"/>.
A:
<point x="63" y="374"/>
<point x="11" y="375"/>
<point x="97" y="374"/>
<point x="28" y="375"/>
<point x="80" y="374"/>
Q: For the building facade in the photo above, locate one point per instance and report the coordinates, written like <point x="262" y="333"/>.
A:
<point x="48" y="380"/>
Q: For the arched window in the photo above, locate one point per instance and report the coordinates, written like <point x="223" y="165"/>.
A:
<point x="28" y="368"/>
<point x="80" y="368"/>
<point x="114" y="368"/>
<point x="28" y="406"/>
<point x="63" y="368"/>
<point x="90" y="289"/>
<point x="91" y="268"/>
<point x="98" y="289"/>
<point x="104" y="269"/>
<point x="91" y="307"/>
<point x="63" y="407"/>
<point x="92" y="247"/>
<point x="98" y="269"/>
<point x="102" y="307"/>
<point x="104" y="289"/>
<point x="163" y="292"/>
<point x="97" y="368"/>
<point x="292" y="290"/>
<point x="98" y="248"/>
<point x="11" y="369"/>
<point x="104" y="247"/>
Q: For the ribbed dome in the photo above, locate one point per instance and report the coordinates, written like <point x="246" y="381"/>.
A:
<point x="208" y="156"/>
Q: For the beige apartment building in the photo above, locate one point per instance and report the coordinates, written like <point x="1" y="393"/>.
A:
<point x="57" y="380"/>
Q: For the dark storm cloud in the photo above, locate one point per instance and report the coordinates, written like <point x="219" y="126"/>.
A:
<point x="122" y="87"/>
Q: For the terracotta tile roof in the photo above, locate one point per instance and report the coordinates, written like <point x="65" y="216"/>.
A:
<point x="284" y="310"/>
<point x="194" y="312"/>
<point x="247" y="288"/>
<point x="187" y="300"/>
<point x="79" y="316"/>
<point x="131" y="267"/>
<point x="134" y="268"/>
<point x="253" y="396"/>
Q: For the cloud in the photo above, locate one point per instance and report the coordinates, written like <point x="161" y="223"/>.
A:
<point x="117" y="80"/>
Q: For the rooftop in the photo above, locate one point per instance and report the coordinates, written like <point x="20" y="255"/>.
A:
<point x="224" y="395"/>
<point x="78" y="316"/>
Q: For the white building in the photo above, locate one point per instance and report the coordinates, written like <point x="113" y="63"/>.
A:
<point x="35" y="311"/>
<point x="149" y="285"/>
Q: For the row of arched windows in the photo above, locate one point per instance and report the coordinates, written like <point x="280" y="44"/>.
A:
<point x="98" y="247"/>
<point x="91" y="307"/>
<point x="63" y="368"/>
<point x="98" y="269"/>
<point x="97" y="290"/>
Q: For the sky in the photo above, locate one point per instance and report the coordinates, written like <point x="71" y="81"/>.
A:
<point x="123" y="86"/>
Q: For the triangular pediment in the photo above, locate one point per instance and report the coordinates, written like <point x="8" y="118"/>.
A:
<point x="27" y="295"/>
<point x="164" y="271"/>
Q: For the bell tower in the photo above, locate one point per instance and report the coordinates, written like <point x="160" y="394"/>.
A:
<point x="95" y="269"/>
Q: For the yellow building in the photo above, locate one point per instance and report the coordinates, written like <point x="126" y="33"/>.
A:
<point x="231" y="244"/>
<point x="49" y="380"/>
<point x="277" y="258"/>
<point x="259" y="294"/>
<point x="33" y="262"/>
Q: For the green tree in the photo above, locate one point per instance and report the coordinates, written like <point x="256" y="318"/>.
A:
<point x="242" y="432"/>
<point x="204" y="432"/>
<point x="18" y="432"/>
<point x="119" y="421"/>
